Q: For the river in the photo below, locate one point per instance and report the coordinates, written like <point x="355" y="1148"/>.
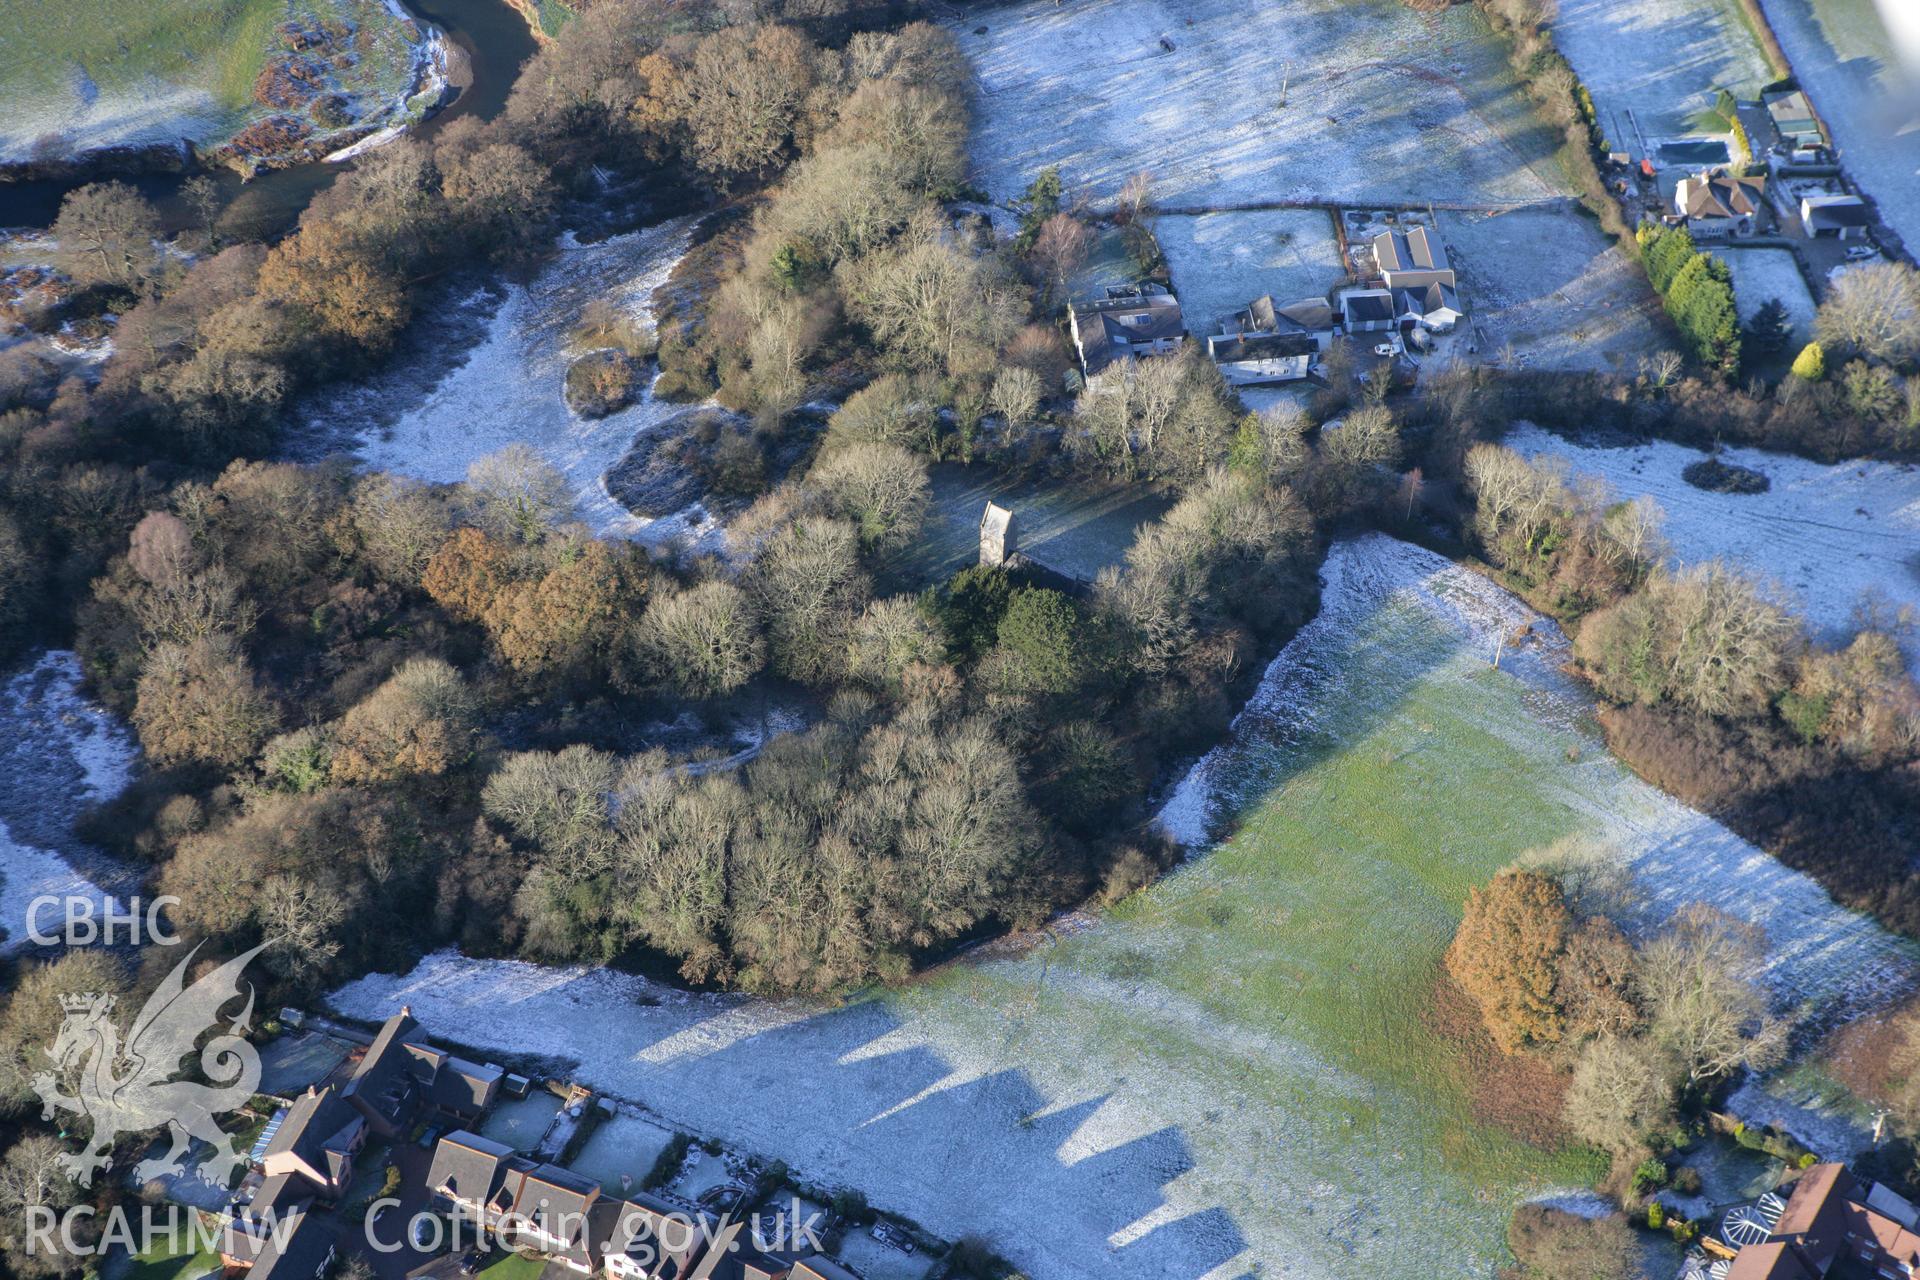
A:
<point x="492" y="41"/>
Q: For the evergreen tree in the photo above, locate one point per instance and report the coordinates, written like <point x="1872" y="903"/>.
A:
<point x="1769" y="333"/>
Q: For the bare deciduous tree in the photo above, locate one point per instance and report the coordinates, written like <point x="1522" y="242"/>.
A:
<point x="1874" y="310"/>
<point x="1709" y="1009"/>
<point x="1622" y="1091"/>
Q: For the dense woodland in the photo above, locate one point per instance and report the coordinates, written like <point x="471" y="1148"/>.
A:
<point x="380" y="716"/>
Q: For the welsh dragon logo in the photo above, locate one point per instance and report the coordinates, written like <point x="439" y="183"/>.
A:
<point x="132" y="1087"/>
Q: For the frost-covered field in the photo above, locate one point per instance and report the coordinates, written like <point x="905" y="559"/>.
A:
<point x="1760" y="274"/>
<point x="1826" y="536"/>
<point x="1663" y="60"/>
<point x="1553" y="285"/>
<point x="1383" y="104"/>
<point x="58" y="753"/>
<point x="438" y="408"/>
<point x="1222" y="261"/>
<point x="1845" y="59"/>
<point x="1232" y="1071"/>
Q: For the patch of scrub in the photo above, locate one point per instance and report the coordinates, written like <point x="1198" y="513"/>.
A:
<point x="459" y="394"/>
<point x="1853" y="69"/>
<point x="1078" y="527"/>
<point x="1381" y="103"/>
<point x="59" y="753"/>
<point x="1552" y="286"/>
<point x="1660" y="60"/>
<point x="1222" y="261"/>
<point x="1824" y="537"/>
<point x="1760" y="275"/>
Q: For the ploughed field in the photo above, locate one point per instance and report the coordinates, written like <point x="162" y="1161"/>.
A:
<point x="1239" y="1066"/>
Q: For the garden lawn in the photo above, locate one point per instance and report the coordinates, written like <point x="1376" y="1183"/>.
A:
<point x="165" y="1262"/>
<point x="1760" y="275"/>
<point x="1222" y="261"/>
<point x="511" y="1266"/>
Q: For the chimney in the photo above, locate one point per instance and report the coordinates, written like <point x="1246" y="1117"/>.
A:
<point x="406" y="1011"/>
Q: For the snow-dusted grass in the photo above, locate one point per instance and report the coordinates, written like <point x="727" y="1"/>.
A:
<point x="872" y="1260"/>
<point x="1845" y="59"/>
<point x="443" y="406"/>
<point x="1824" y="536"/>
<point x="520" y="1122"/>
<point x="58" y="753"/>
<point x="1553" y="285"/>
<point x="1222" y="261"/>
<point x="1762" y="274"/>
<point x="1076" y="527"/>
<point x="1663" y="60"/>
<point x="1382" y="104"/>
<point x="623" y="1146"/>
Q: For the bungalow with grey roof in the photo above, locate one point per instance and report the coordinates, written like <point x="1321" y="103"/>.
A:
<point x="1435" y="306"/>
<point x="1368" y="310"/>
<point x="1843" y="217"/>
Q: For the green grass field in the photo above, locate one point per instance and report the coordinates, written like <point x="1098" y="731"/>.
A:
<point x="122" y="45"/>
<point x="112" y="71"/>
<point x="1269" y="1001"/>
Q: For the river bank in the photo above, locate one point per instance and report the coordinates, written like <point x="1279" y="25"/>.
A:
<point x="481" y="48"/>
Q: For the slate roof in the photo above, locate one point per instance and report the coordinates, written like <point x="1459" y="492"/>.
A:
<point x="469" y="1166"/>
<point x="1235" y="348"/>
<point x="1309" y="315"/>
<point x="670" y="1239"/>
<point x="1108" y="327"/>
<point x="1426" y="300"/>
<point x="320" y="1129"/>
<point x="308" y="1244"/>
<point x="384" y="1082"/>
<point x="1827" y="212"/>
<point x="1363" y="307"/>
<point x="1415" y="249"/>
